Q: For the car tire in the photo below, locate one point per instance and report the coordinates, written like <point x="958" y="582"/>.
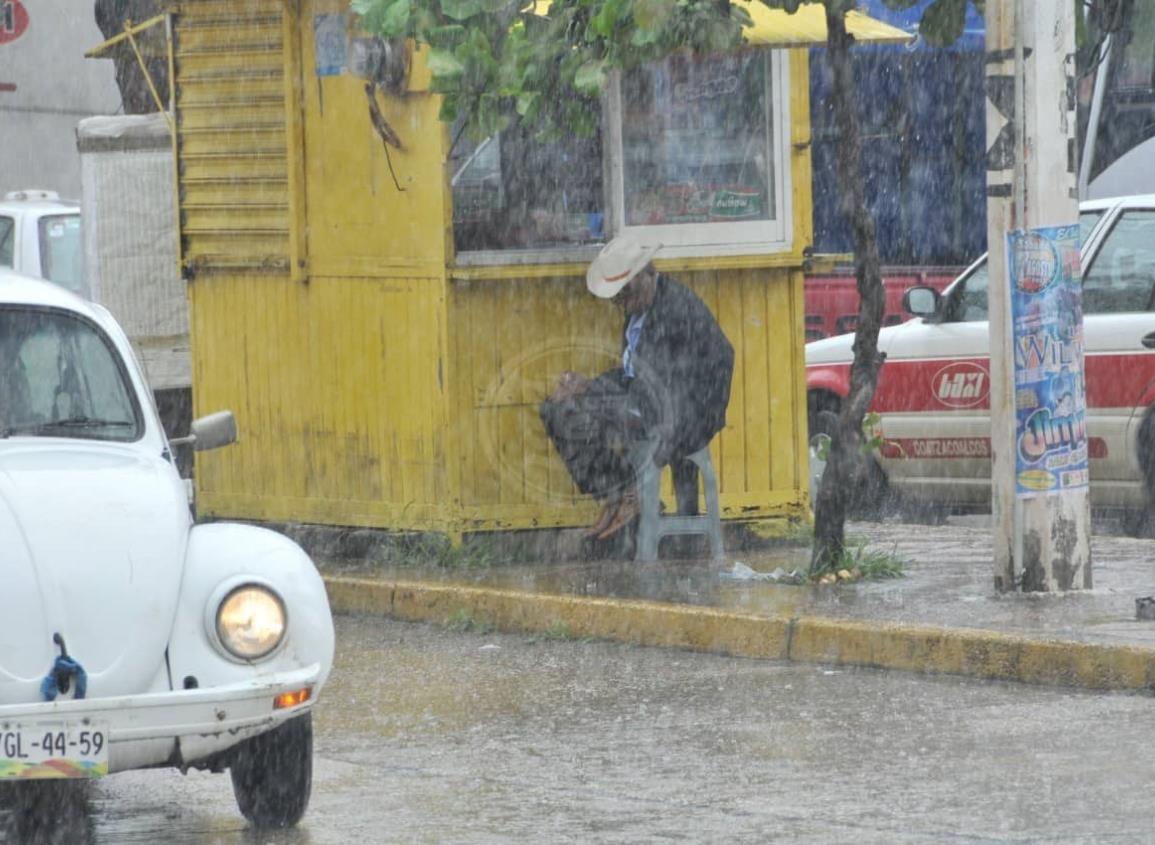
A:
<point x="823" y="423"/>
<point x="273" y="774"/>
<point x="1141" y="523"/>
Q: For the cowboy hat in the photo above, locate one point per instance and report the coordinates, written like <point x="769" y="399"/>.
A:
<point x="618" y="262"/>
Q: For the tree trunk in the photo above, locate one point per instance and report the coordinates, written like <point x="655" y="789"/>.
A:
<point x="834" y="492"/>
<point x="134" y="93"/>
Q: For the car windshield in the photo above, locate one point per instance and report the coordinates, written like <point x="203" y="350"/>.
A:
<point x="62" y="251"/>
<point x="61" y="377"/>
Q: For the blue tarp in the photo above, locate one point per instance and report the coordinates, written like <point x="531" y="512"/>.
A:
<point x="922" y="115"/>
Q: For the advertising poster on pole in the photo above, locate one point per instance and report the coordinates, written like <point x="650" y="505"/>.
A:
<point x="1050" y="395"/>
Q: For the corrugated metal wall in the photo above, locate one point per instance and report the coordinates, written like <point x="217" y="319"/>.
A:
<point x="337" y="402"/>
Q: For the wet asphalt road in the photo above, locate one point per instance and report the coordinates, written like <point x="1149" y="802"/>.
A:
<point x="427" y="735"/>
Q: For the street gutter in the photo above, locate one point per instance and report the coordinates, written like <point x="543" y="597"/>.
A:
<point x="968" y="652"/>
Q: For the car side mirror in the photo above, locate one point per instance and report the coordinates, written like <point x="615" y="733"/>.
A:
<point x="921" y="301"/>
<point x="211" y="432"/>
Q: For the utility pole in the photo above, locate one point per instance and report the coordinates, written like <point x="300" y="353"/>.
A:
<point x="1041" y="511"/>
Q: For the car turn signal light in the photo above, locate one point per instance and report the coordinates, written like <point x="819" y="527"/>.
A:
<point x="292" y="699"/>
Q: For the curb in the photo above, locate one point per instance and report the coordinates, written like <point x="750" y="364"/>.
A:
<point x="809" y="639"/>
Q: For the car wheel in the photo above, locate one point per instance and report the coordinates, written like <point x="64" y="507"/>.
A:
<point x="822" y="424"/>
<point x="273" y="774"/>
<point x="1141" y="523"/>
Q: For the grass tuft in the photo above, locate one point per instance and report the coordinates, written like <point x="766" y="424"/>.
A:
<point x="874" y="564"/>
<point x="858" y="562"/>
<point x="461" y="621"/>
<point x="422" y="550"/>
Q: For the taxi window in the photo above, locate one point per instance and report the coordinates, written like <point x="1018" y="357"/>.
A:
<point x="967" y="300"/>
<point x="7" y="241"/>
<point x="1121" y="277"/>
<point x="974" y="299"/>
<point x="62" y="251"/>
<point x="1087" y="221"/>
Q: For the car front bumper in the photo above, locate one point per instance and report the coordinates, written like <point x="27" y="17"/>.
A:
<point x="182" y="727"/>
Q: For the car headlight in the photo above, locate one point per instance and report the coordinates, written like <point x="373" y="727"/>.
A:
<point x="251" y="621"/>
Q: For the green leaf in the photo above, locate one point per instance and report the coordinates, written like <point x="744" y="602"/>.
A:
<point x="528" y="102"/>
<point x="395" y="19"/>
<point x="590" y="77"/>
<point x="372" y="13"/>
<point x="445" y="37"/>
<point x="490" y="119"/>
<point x="449" y="108"/>
<point x="424" y="20"/>
<point x="460" y="10"/>
<point x="943" y="21"/>
<point x="608" y="17"/>
<point x="443" y="63"/>
<point x="645" y="37"/>
<point x="478" y="40"/>
<point x="650" y="16"/>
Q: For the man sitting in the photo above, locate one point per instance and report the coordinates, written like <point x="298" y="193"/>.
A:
<point x="672" y="388"/>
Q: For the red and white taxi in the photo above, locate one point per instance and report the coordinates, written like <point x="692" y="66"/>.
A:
<point x="933" y="394"/>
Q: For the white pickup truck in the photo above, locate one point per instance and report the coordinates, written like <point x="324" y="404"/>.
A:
<point x="40" y="235"/>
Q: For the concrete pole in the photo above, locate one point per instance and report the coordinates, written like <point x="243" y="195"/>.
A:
<point x="1043" y="542"/>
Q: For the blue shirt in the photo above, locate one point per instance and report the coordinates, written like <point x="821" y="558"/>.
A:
<point x="633" y="334"/>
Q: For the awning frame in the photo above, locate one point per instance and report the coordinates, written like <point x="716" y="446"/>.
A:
<point x="106" y="50"/>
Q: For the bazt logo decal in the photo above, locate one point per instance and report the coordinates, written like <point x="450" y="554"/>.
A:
<point x="961" y="385"/>
<point x="13" y="20"/>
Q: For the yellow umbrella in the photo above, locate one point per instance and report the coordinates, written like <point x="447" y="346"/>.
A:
<point x="804" y="28"/>
<point x="807" y="26"/>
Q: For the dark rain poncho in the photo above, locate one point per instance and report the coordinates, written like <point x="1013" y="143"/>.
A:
<point x="682" y="364"/>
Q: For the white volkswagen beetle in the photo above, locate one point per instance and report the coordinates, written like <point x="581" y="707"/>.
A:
<point x="131" y="637"/>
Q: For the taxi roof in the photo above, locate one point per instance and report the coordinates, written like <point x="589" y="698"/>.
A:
<point x="38" y="207"/>
<point x="37" y="202"/>
<point x="1111" y="202"/>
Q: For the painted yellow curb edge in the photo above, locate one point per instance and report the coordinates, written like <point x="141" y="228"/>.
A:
<point x="956" y="651"/>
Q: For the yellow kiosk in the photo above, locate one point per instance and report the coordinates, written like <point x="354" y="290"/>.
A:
<point x="384" y="320"/>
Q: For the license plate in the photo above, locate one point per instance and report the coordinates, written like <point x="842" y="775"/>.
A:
<point x="53" y="750"/>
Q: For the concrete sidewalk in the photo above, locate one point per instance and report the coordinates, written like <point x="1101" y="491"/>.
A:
<point x="943" y="617"/>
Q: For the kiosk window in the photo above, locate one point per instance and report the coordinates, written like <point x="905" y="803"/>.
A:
<point x="700" y="142"/>
<point x="697" y="160"/>
<point x="513" y="191"/>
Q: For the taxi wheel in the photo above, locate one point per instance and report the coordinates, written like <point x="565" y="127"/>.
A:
<point x="822" y="423"/>
<point x="1141" y="523"/>
<point x="273" y="774"/>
